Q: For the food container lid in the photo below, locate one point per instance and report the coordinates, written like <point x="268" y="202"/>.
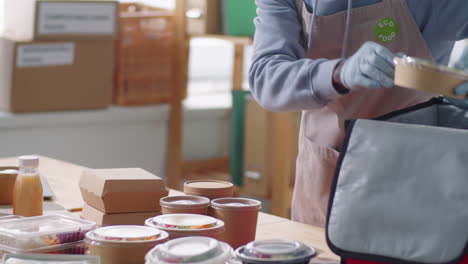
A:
<point x="49" y="259"/>
<point x="40" y="231"/>
<point x="9" y="217"/>
<point x="8" y="171"/>
<point x="209" y="188"/>
<point x="185" y="201"/>
<point x="191" y="250"/>
<point x="236" y="204"/>
<point x="126" y="233"/>
<point x="429" y="65"/>
<point x="269" y="251"/>
<point x="184" y="221"/>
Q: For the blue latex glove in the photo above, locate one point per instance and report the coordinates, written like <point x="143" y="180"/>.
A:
<point x="461" y="63"/>
<point x="371" y="66"/>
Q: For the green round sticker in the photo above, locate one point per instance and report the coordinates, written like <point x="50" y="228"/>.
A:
<point x="386" y="30"/>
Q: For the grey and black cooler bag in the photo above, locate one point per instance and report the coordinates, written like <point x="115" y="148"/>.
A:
<point x="400" y="193"/>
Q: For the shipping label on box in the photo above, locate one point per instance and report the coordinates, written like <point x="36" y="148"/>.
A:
<point x="44" y="55"/>
<point x="76" y="18"/>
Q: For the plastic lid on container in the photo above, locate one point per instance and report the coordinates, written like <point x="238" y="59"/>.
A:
<point x="271" y="251"/>
<point x="8" y="171"/>
<point x="185" y="201"/>
<point x="29" y="161"/>
<point x="40" y="231"/>
<point x="9" y="217"/>
<point x="49" y="259"/>
<point x="236" y="204"/>
<point x="126" y="233"/>
<point x="195" y="250"/>
<point x="209" y="188"/>
<point x="185" y="221"/>
<point x="427" y="64"/>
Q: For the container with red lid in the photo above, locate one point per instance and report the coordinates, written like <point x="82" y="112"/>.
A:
<point x="187" y="225"/>
<point x="209" y="189"/>
<point x="123" y="244"/>
<point x="185" y="204"/>
<point x="237" y="214"/>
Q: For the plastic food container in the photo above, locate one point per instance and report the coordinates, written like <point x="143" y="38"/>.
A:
<point x="275" y="251"/>
<point x="7" y="184"/>
<point x="75" y="248"/>
<point x="240" y="219"/>
<point x="41" y="232"/>
<point x="209" y="189"/>
<point x="186" y="225"/>
<point x="193" y="250"/>
<point x="123" y="244"/>
<point x="49" y="259"/>
<point x="186" y="204"/>
<point x="427" y="76"/>
<point x="9" y="217"/>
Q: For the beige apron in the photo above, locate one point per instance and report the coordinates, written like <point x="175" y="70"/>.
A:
<point x="322" y="130"/>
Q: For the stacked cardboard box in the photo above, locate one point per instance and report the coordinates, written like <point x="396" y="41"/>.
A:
<point x="203" y="17"/>
<point x="57" y="55"/>
<point x="121" y="196"/>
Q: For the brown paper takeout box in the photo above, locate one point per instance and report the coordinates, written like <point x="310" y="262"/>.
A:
<point x="92" y="214"/>
<point x="129" y="190"/>
<point x="37" y="76"/>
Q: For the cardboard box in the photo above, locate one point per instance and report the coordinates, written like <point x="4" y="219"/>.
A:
<point x="203" y="17"/>
<point x="259" y="146"/>
<point x="59" y="19"/>
<point x="40" y="76"/>
<point x="92" y="214"/>
<point x="122" y="190"/>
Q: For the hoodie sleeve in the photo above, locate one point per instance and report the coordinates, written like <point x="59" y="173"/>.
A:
<point x="280" y="78"/>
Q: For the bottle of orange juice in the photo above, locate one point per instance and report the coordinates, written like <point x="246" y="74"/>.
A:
<point x="27" y="194"/>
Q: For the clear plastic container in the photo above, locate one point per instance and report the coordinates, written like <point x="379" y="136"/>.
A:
<point x="123" y="244"/>
<point x="275" y="251"/>
<point x="192" y="250"/>
<point x="75" y="248"/>
<point x="185" y="225"/>
<point x="39" y="232"/>
<point x="9" y="217"/>
<point x="49" y="259"/>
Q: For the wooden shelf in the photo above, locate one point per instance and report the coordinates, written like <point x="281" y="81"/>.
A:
<point x="233" y="39"/>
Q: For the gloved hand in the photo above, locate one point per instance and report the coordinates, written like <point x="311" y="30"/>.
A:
<point x="371" y="66"/>
<point x="461" y="63"/>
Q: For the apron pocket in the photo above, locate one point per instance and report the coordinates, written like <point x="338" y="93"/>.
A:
<point x="315" y="169"/>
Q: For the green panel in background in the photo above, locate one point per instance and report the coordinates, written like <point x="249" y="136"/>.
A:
<point x="239" y="99"/>
<point x="238" y="17"/>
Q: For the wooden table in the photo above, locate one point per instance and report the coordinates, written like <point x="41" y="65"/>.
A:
<point x="63" y="178"/>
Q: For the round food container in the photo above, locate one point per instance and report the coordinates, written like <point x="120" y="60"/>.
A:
<point x="428" y="76"/>
<point x="123" y="244"/>
<point x="185" y="204"/>
<point x="275" y="251"/>
<point x="209" y="189"/>
<point x="186" y="225"/>
<point x="237" y="214"/>
<point x="193" y="250"/>
<point x="7" y="184"/>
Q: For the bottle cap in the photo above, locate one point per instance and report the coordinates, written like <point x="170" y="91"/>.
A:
<point x="29" y="161"/>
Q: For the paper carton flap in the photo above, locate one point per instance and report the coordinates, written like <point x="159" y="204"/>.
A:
<point x="103" y="181"/>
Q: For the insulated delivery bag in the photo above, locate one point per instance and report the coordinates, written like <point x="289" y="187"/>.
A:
<point x="400" y="193"/>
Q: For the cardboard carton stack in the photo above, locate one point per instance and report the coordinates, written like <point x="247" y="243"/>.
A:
<point x="57" y="55"/>
<point x="121" y="196"/>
